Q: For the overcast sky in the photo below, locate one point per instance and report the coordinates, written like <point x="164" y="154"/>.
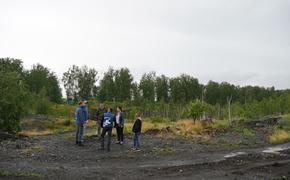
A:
<point x="239" y="41"/>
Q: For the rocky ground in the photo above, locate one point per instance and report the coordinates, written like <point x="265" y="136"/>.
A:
<point x="223" y="156"/>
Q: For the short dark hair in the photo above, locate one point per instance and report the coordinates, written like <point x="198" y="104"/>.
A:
<point x="80" y="103"/>
<point x="120" y="108"/>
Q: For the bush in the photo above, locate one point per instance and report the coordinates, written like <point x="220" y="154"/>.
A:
<point x="13" y="99"/>
<point x="195" y="110"/>
<point x="42" y="103"/>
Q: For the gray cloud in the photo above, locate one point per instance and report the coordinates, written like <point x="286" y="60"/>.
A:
<point x="240" y="41"/>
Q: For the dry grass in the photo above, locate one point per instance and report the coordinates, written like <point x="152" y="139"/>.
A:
<point x="48" y="127"/>
<point x="279" y="136"/>
<point x="36" y="132"/>
<point x="188" y="128"/>
<point x="146" y="126"/>
<point x="184" y="128"/>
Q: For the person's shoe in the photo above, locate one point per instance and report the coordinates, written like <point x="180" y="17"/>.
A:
<point x="133" y="149"/>
<point x="118" y="142"/>
<point x="121" y="143"/>
<point x="138" y="150"/>
<point x="77" y="142"/>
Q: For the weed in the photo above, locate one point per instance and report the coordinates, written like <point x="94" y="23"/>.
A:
<point x="163" y="150"/>
<point x="4" y="173"/>
<point x="248" y="132"/>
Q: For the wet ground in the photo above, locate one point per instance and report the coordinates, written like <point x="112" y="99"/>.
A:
<point x="57" y="157"/>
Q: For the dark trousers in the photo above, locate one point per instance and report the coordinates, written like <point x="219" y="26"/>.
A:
<point x="99" y="128"/>
<point x="120" y="133"/>
<point x="104" y="132"/>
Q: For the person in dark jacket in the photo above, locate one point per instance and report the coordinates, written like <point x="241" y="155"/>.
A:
<point x="120" y="125"/>
<point x="81" y="120"/>
<point x="99" y="118"/>
<point x="107" y="125"/>
<point x="137" y="127"/>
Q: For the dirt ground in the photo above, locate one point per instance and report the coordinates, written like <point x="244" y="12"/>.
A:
<point x="226" y="156"/>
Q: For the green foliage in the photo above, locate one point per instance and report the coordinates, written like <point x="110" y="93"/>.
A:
<point x="86" y="82"/>
<point x="117" y="85"/>
<point x="123" y="83"/>
<point x="195" y="110"/>
<point x="184" y="89"/>
<point x="147" y="86"/>
<point x="13" y="98"/>
<point x="38" y="78"/>
<point x="79" y="83"/>
<point x="4" y="173"/>
<point x="285" y="123"/>
<point x="221" y="124"/>
<point x="157" y="97"/>
<point x="107" y="87"/>
<point x="11" y="65"/>
<point x="42" y="103"/>
<point x="162" y="88"/>
<point x="248" y="132"/>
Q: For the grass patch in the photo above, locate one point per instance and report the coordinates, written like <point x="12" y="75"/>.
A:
<point x="4" y="173"/>
<point x="163" y="150"/>
<point x="285" y="123"/>
<point x="32" y="150"/>
<point x="209" y="142"/>
<point x="279" y="136"/>
<point x="47" y="127"/>
<point x="248" y="132"/>
<point x="245" y="131"/>
<point x="221" y="124"/>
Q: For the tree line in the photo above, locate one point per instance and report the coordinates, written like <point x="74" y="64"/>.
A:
<point x="34" y="90"/>
<point x="118" y="85"/>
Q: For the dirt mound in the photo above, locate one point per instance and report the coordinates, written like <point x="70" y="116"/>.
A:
<point x="261" y="123"/>
<point x="156" y="131"/>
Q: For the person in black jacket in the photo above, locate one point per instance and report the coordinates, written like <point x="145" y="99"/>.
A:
<point x="120" y="125"/>
<point x="99" y="116"/>
<point x="137" y="127"/>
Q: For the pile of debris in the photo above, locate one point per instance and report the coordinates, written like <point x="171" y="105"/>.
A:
<point x="262" y="123"/>
<point x="156" y="131"/>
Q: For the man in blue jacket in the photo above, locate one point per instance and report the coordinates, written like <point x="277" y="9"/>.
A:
<point x="107" y="125"/>
<point x="81" y="120"/>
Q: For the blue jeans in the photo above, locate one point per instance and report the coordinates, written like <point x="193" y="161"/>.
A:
<point x="137" y="140"/>
<point x="80" y="133"/>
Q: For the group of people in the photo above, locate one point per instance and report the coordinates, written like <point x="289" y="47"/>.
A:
<point x="106" y="120"/>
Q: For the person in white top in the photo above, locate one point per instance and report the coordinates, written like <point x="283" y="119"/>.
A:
<point x="120" y="125"/>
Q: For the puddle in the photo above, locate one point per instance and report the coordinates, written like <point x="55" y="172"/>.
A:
<point x="275" y="150"/>
<point x="234" y="154"/>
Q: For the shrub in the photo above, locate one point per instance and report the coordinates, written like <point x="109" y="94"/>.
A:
<point x="13" y="98"/>
<point x="42" y="104"/>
